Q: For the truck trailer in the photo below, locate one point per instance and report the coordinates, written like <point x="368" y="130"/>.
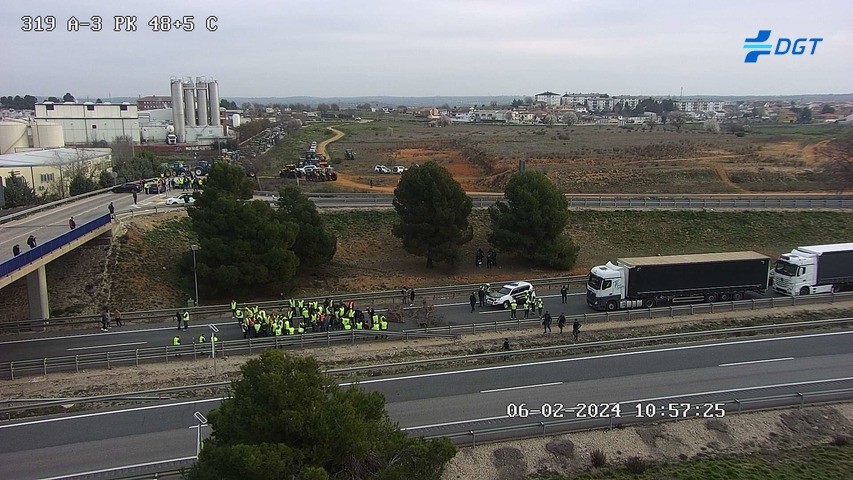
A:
<point x="814" y="269"/>
<point x="649" y="281"/>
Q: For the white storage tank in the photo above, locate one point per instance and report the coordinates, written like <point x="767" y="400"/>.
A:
<point x="235" y="120"/>
<point x="13" y="136"/>
<point x="48" y="135"/>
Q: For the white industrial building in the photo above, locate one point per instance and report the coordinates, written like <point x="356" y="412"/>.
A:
<point x="49" y="168"/>
<point x="89" y="122"/>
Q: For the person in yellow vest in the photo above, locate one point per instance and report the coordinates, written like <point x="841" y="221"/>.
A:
<point x="383" y="323"/>
<point x="201" y="339"/>
<point x="176" y="344"/>
<point x="234" y="308"/>
<point x="238" y="314"/>
<point x="346" y="323"/>
<point x="186" y="319"/>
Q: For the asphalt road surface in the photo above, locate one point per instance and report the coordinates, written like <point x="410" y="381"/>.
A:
<point x="51" y="223"/>
<point x="130" y="337"/>
<point x="452" y="400"/>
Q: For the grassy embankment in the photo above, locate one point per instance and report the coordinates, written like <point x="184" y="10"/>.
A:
<point x="822" y="462"/>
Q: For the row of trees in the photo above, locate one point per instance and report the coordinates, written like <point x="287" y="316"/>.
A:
<point x="28" y="102"/>
<point x="247" y="247"/>
<point x="434" y="210"/>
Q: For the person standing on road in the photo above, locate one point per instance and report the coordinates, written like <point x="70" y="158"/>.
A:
<point x="186" y="318"/>
<point x="546" y="322"/>
<point x="576" y="329"/>
<point x="134" y="197"/>
<point x="16" y="249"/>
<point x="540" y="305"/>
<point x="32" y="241"/>
<point x="513" y="306"/>
<point x="473" y="300"/>
<point x="117" y="317"/>
<point x="482" y="294"/>
<point x="111" y="208"/>
<point x="564" y="293"/>
<point x="561" y="321"/>
<point x="176" y="344"/>
<point x="178" y="317"/>
<point x="405" y="293"/>
<point x="71" y="223"/>
<point x="412" y="297"/>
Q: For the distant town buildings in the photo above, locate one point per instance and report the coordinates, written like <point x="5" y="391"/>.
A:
<point x="154" y="102"/>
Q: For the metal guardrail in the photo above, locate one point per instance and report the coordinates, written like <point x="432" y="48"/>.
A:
<point x="650" y="313"/>
<point x="168" y="353"/>
<point x="729" y="405"/>
<point x="577" y="346"/>
<point x="369" y="298"/>
<point x="17" y="262"/>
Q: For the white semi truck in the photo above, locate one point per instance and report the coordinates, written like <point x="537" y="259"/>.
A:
<point x="814" y="269"/>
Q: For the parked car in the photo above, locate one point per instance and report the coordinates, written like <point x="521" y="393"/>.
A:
<point x="127" y="188"/>
<point x="180" y="199"/>
<point x="381" y="169"/>
<point x="503" y="296"/>
<point x="398" y="169"/>
<point x="155" y="187"/>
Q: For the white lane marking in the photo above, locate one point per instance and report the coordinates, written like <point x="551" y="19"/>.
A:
<point x="451" y="304"/>
<point x="113" y="469"/>
<point x="106" y="346"/>
<point x="100" y="414"/>
<point x="755" y="361"/>
<point x="522" y="387"/>
<point x="594" y="357"/>
<point x="65" y="337"/>
<point x="486" y="419"/>
<point x="642" y="400"/>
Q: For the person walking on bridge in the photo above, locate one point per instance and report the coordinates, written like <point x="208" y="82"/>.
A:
<point x="71" y="223"/>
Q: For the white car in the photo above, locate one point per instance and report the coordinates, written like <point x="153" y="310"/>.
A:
<point x="381" y="169"/>
<point x="503" y="296"/>
<point x="184" y="198"/>
<point x="398" y="169"/>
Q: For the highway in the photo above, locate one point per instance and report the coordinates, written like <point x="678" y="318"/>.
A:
<point x="50" y="223"/>
<point x="130" y="337"/>
<point x="454" y="400"/>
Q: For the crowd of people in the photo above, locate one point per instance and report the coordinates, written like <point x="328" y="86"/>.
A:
<point x="302" y="316"/>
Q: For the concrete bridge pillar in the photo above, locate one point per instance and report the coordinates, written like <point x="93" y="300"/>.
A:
<point x="37" y="293"/>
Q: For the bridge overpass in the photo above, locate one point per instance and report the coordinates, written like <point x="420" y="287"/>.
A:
<point x="31" y="264"/>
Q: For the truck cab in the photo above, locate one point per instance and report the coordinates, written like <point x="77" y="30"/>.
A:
<point x="794" y="274"/>
<point x="605" y="287"/>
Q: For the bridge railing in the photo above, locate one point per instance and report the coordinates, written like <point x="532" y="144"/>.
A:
<point x="33" y="254"/>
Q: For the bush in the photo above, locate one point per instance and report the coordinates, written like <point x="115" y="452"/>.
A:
<point x="841" y="441"/>
<point x="636" y="465"/>
<point x="598" y="458"/>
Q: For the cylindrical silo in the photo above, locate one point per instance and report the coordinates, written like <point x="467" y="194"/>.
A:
<point x="48" y="135"/>
<point x="13" y="136"/>
<point x="213" y="95"/>
<point x="235" y="120"/>
<point x="178" y="117"/>
<point x="201" y="100"/>
<point x="189" y="101"/>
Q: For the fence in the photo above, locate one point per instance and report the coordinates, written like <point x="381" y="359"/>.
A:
<point x="39" y="251"/>
<point x="169" y="353"/>
<point x="641" y="411"/>
<point x="369" y="298"/>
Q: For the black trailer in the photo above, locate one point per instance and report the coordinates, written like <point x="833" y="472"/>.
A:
<point x="835" y="267"/>
<point x="707" y="276"/>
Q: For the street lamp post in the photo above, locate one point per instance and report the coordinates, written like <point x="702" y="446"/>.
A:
<point x="195" y="247"/>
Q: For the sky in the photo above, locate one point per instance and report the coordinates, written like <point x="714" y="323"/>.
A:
<point x="345" y="48"/>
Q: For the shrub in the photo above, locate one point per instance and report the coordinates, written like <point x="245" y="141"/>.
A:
<point x="598" y="458"/>
<point x="636" y="465"/>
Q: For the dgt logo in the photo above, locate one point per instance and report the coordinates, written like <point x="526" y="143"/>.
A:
<point x="783" y="46"/>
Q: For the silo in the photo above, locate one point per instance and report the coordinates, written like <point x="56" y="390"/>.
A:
<point x="189" y="101"/>
<point x="13" y="136"/>
<point x="213" y="94"/>
<point x="178" y="117"/>
<point x="235" y="120"/>
<point x="201" y="100"/>
<point x="48" y="135"/>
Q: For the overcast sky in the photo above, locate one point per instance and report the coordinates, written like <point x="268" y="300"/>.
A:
<point x="337" y="48"/>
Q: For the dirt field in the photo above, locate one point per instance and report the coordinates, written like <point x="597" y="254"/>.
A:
<point x="592" y="159"/>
